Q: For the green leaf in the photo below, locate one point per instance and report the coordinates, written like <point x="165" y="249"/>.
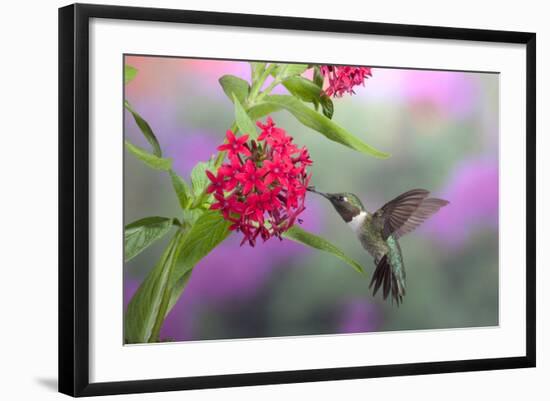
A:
<point x="318" y="78"/>
<point x="129" y="73"/>
<point x="145" y="129"/>
<point x="148" y="305"/>
<point x="158" y="163"/>
<point x="327" y="106"/>
<point x="262" y="109"/>
<point x="183" y="192"/>
<point x="245" y="124"/>
<point x="165" y="282"/>
<point x="209" y="231"/>
<point x="142" y="233"/>
<point x="303" y="88"/>
<point x="309" y="91"/>
<point x="297" y="234"/>
<point x="235" y="86"/>
<point x="177" y="290"/>
<point x="285" y="71"/>
<point x="310" y="118"/>
<point x="199" y="179"/>
<point x="190" y="216"/>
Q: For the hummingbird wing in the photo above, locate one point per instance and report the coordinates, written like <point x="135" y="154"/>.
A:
<point x="427" y="208"/>
<point x="406" y="212"/>
<point x="396" y="212"/>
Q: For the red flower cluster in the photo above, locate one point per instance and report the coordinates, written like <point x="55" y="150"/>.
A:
<point x="261" y="188"/>
<point x="343" y="79"/>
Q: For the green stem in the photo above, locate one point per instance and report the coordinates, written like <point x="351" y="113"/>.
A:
<point x="268" y="90"/>
<point x="256" y="86"/>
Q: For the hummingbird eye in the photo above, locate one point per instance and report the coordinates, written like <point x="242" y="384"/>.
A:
<point x="342" y="198"/>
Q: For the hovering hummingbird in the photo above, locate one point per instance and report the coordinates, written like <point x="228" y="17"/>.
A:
<point x="379" y="232"/>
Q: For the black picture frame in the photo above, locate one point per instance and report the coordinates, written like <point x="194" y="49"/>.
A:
<point x="74" y="198"/>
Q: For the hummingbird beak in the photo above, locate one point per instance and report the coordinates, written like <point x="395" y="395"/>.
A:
<point x="312" y="189"/>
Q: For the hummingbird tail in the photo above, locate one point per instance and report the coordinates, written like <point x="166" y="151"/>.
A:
<point x="384" y="275"/>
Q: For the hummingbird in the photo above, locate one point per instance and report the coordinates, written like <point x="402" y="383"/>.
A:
<point x="380" y="231"/>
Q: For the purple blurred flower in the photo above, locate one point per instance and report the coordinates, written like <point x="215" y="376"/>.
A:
<point x="473" y="194"/>
<point x="189" y="148"/>
<point x="179" y="324"/>
<point x="450" y="91"/>
<point x="359" y="316"/>
<point x="445" y="92"/>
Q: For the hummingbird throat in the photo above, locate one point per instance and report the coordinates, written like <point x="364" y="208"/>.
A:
<point x="356" y="222"/>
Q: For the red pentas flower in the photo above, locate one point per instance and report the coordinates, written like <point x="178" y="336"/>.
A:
<point x="342" y="79"/>
<point x="251" y="177"/>
<point x="234" y="145"/>
<point x="227" y="205"/>
<point x="261" y="187"/>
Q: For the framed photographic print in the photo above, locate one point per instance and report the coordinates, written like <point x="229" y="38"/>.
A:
<point x="250" y="199"/>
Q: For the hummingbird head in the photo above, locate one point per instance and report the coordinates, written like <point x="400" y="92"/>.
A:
<point x="348" y="205"/>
